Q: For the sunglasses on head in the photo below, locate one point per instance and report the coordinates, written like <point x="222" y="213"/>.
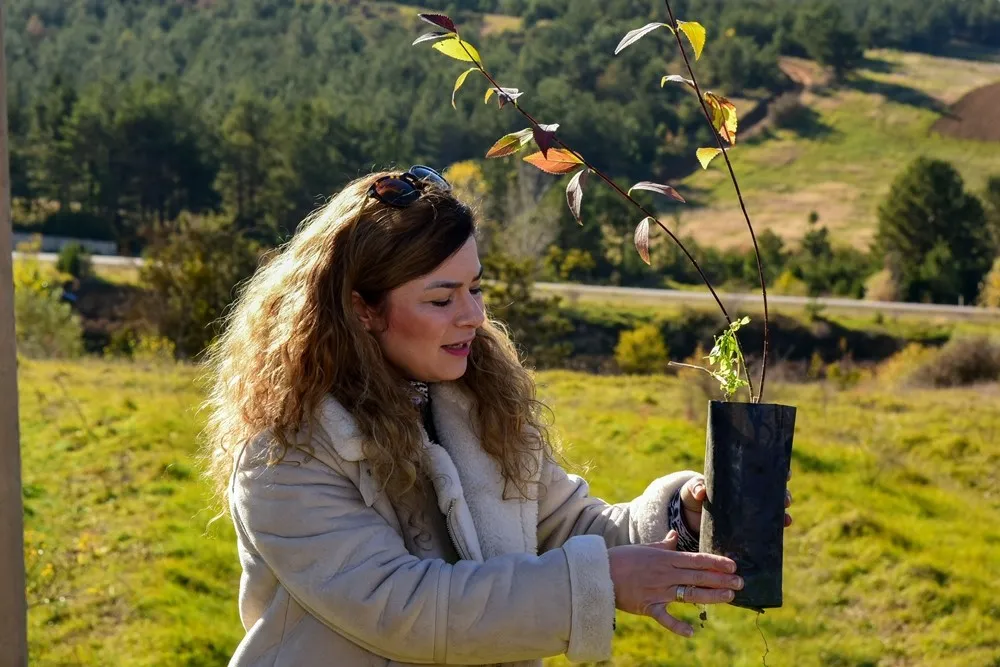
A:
<point x="401" y="191"/>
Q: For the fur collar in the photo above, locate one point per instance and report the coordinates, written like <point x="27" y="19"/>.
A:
<point x="466" y="479"/>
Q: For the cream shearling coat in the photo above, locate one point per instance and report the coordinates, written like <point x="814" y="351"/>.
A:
<point x="327" y="580"/>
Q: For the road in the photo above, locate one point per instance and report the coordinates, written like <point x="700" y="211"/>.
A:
<point x="734" y="302"/>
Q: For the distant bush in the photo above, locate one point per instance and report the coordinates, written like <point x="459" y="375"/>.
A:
<point x="642" y="350"/>
<point x="74" y="260"/>
<point x="191" y="274"/>
<point x="881" y="286"/>
<point x="44" y="324"/>
<point x="961" y="362"/>
<point x="989" y="293"/>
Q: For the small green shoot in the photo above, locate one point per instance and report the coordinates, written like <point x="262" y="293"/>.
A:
<point x="727" y="360"/>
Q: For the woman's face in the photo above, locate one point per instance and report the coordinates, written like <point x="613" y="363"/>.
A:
<point x="430" y="321"/>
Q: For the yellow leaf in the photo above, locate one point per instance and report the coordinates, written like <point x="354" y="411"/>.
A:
<point x="695" y="33"/>
<point x="489" y="94"/>
<point x="458" y="84"/>
<point x="706" y="155"/>
<point x="458" y="49"/>
<point x="724" y="118"/>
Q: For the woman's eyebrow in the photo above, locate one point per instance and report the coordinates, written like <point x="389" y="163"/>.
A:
<point x="451" y="284"/>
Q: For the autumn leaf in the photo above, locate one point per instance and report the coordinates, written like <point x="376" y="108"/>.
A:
<point x="558" y="161"/>
<point x="509" y="144"/>
<point x="428" y="36"/>
<point x="459" y="50"/>
<point x="675" y="78"/>
<point x="642" y="239"/>
<point x="458" y="84"/>
<point x="440" y="20"/>
<point x="724" y="118"/>
<point x="504" y="95"/>
<point x="634" y="36"/>
<point x="659" y="188"/>
<point x="706" y="155"/>
<point x="545" y="136"/>
<point x="695" y="32"/>
<point x="574" y="193"/>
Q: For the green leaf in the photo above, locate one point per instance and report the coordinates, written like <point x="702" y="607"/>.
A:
<point x="459" y="50"/>
<point x="509" y="144"/>
<point x="458" y="84"/>
<point x="641" y="239"/>
<point x="695" y="32"/>
<point x="706" y="155"/>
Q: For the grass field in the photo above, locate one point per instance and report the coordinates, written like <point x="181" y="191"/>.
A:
<point x="893" y="558"/>
<point x="840" y="160"/>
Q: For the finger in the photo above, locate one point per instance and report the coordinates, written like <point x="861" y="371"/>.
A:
<point x="669" y="542"/>
<point x="658" y="611"/>
<point x="700" y="492"/>
<point x="788" y="498"/>
<point x="700" y="561"/>
<point x="697" y="595"/>
<point x="687" y="491"/>
<point x="788" y="520"/>
<point x="709" y="579"/>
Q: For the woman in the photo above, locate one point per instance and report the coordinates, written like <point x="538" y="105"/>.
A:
<point x="393" y="488"/>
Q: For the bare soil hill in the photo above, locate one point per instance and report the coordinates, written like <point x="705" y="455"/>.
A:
<point x="974" y="116"/>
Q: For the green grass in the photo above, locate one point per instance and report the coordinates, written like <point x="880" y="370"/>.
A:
<point x="862" y="135"/>
<point x="893" y="558"/>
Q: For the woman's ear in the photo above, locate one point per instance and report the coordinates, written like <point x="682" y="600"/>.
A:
<point x="363" y="311"/>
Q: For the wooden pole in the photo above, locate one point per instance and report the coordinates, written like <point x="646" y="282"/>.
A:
<point x="13" y="610"/>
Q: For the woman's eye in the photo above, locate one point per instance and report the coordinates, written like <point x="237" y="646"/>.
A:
<point x="441" y="304"/>
<point x="476" y="290"/>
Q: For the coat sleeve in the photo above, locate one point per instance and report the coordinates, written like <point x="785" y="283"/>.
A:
<point x="345" y="565"/>
<point x="567" y="510"/>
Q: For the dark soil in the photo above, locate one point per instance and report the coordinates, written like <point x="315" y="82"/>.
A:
<point x="974" y="116"/>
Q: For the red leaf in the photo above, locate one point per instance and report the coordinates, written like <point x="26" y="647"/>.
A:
<point x="642" y="239"/>
<point x="558" y="161"/>
<point x="574" y="193"/>
<point x="658" y="188"/>
<point x="440" y="20"/>
<point x="430" y="36"/>
<point x="545" y="136"/>
<point x="634" y="36"/>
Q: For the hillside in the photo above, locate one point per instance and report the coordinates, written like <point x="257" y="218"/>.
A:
<point x="893" y="556"/>
<point x="843" y="149"/>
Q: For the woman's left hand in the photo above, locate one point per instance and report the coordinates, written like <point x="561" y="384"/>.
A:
<point x="693" y="495"/>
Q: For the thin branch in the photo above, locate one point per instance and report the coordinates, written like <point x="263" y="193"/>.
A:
<point x="626" y="196"/>
<point x="739" y="195"/>
<point x="698" y="368"/>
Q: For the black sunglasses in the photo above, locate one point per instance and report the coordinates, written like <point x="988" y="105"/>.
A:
<point x="401" y="191"/>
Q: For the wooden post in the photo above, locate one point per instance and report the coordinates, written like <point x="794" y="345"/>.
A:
<point x="13" y="622"/>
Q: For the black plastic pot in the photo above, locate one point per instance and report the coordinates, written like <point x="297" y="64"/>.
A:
<point x="748" y="450"/>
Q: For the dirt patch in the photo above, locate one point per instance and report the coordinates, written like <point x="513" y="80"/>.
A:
<point x="973" y="116"/>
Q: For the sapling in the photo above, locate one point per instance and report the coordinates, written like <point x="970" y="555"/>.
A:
<point x="555" y="156"/>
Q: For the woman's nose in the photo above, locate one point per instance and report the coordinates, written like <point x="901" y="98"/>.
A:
<point x="471" y="314"/>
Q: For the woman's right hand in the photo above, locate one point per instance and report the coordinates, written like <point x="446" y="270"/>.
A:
<point x="646" y="577"/>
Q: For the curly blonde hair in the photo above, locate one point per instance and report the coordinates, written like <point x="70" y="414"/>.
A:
<point x="293" y="338"/>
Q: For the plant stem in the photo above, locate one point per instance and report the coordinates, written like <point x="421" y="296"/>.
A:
<point x="732" y="174"/>
<point x="698" y="368"/>
<point x="629" y="198"/>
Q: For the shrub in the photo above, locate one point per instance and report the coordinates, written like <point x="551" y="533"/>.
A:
<point x="44" y="324"/>
<point x="881" y="286"/>
<point x="989" y="293"/>
<point x="191" y="275"/>
<point x="901" y="366"/>
<point x="642" y="350"/>
<point x="74" y="260"/>
<point x="963" y="361"/>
